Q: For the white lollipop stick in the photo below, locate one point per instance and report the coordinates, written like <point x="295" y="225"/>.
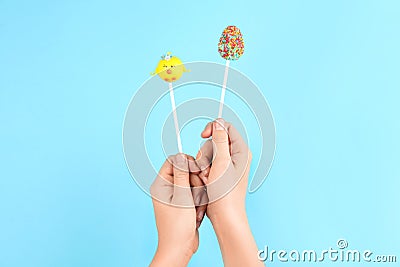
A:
<point x="178" y="136"/>
<point x="221" y="101"/>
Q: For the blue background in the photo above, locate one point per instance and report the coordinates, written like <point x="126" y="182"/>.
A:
<point x="329" y="70"/>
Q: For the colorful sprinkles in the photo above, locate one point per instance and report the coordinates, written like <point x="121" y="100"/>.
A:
<point x="231" y="45"/>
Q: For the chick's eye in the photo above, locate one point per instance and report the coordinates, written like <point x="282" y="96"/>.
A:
<point x="172" y="66"/>
<point x="165" y="66"/>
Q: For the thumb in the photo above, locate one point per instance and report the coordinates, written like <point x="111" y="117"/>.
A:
<point x="182" y="195"/>
<point x="181" y="170"/>
<point x="221" y="141"/>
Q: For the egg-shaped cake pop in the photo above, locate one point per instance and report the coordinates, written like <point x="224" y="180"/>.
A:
<point x="170" y="68"/>
<point x="231" y="45"/>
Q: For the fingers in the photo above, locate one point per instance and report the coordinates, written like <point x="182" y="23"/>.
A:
<point x="166" y="171"/>
<point x="178" y="181"/>
<point x="197" y="185"/>
<point x="181" y="170"/>
<point x="199" y="192"/>
<point x="207" y="132"/>
<point x="204" y="159"/>
<point x="162" y="187"/>
<point x="200" y="212"/>
<point x="221" y="141"/>
<point x="182" y="195"/>
<point x="240" y="152"/>
<point x="200" y="197"/>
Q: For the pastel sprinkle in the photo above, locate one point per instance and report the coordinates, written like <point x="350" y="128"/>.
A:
<point x="231" y="45"/>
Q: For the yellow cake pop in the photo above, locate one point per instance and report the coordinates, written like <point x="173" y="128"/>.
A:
<point x="170" y="68"/>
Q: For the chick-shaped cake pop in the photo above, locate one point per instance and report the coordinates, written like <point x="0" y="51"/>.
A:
<point x="170" y="68"/>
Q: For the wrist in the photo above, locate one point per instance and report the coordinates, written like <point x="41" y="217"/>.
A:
<point x="235" y="239"/>
<point x="228" y="220"/>
<point x="172" y="256"/>
<point x="221" y="211"/>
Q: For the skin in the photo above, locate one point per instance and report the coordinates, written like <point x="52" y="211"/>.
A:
<point x="227" y="214"/>
<point x="177" y="218"/>
<point x="226" y="180"/>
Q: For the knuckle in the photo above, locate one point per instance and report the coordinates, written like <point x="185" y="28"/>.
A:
<point x="181" y="175"/>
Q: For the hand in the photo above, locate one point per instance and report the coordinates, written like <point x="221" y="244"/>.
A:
<point x="228" y="177"/>
<point x="226" y="188"/>
<point x="175" y="212"/>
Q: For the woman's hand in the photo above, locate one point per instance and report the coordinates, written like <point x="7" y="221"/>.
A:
<point x="228" y="177"/>
<point x="226" y="188"/>
<point x="177" y="219"/>
<point x="174" y="200"/>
